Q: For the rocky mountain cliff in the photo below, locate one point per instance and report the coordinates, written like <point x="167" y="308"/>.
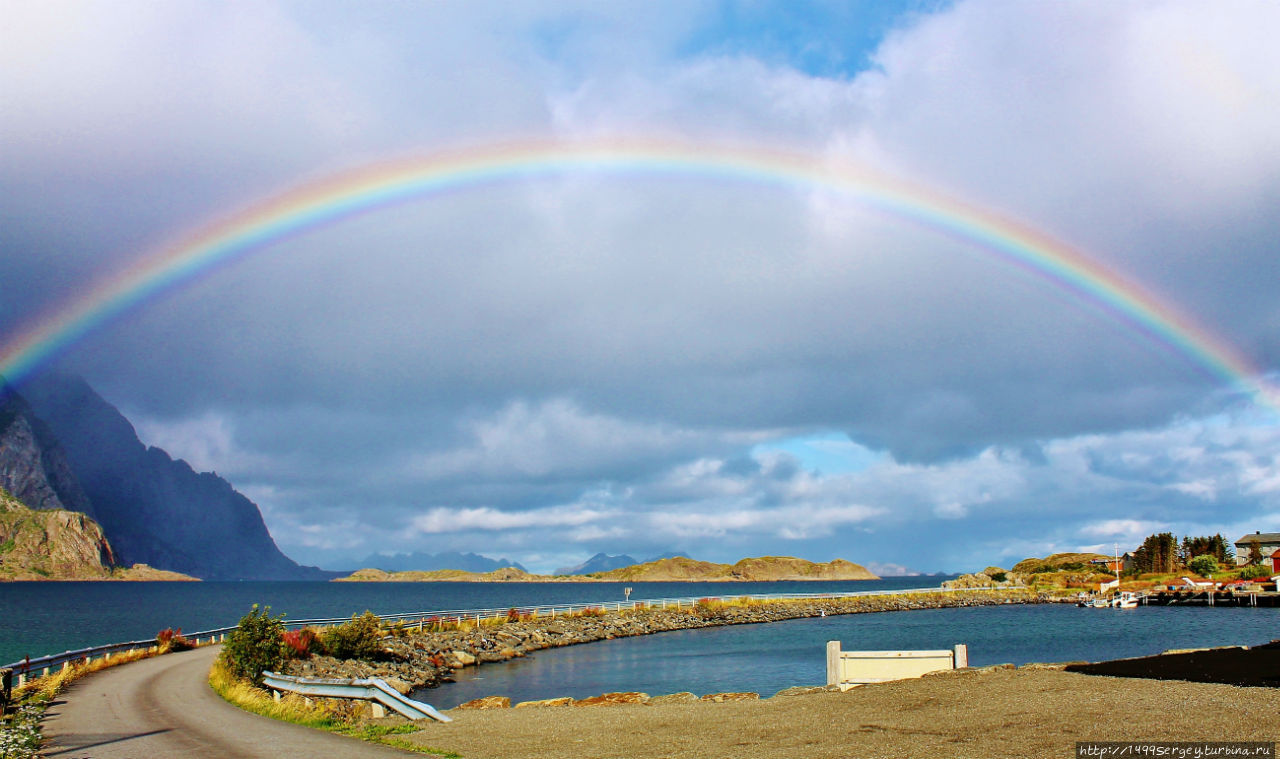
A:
<point x="33" y="466"/>
<point x="56" y="544"/>
<point x="52" y="544"/>
<point x="155" y="510"/>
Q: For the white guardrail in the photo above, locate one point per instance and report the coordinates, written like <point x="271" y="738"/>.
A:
<point x="43" y="665"/>
<point x="365" y="689"/>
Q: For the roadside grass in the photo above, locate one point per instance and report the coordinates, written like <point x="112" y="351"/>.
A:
<point x="334" y="715"/>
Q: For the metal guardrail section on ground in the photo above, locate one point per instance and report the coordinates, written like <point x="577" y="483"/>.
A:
<point x="24" y="668"/>
<point x="364" y="689"/>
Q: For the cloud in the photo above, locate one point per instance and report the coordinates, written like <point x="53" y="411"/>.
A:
<point x="620" y="362"/>
<point x="1129" y="530"/>
<point x="462" y="520"/>
<point x="557" y="438"/>
<point x="794" y="522"/>
<point x="207" y="442"/>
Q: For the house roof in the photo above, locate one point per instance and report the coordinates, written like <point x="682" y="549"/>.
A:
<point x="1262" y="537"/>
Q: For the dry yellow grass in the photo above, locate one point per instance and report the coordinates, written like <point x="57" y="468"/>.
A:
<point x="290" y="708"/>
<point x="52" y="684"/>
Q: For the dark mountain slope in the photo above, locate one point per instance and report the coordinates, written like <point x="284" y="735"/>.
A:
<point x="33" y="466"/>
<point x="156" y="510"/>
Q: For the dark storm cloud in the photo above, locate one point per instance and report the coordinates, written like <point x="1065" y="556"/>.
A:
<point x="586" y="362"/>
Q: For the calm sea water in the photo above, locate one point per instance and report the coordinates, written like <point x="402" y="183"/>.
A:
<point x="38" y="618"/>
<point x="766" y="658"/>
<point x="48" y="617"/>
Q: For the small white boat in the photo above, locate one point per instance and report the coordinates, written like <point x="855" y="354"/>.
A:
<point x="1125" y="600"/>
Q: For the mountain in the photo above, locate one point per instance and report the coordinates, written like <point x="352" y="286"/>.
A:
<point x="426" y="562"/>
<point x="601" y="562"/>
<point x="56" y="544"/>
<point x="763" y="569"/>
<point x="50" y="544"/>
<point x="33" y="466"/>
<point x="153" y="509"/>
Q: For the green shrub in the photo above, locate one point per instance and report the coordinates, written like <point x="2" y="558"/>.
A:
<point x="1255" y="572"/>
<point x="361" y="638"/>
<point x="255" y="646"/>
<point x="1203" y="565"/>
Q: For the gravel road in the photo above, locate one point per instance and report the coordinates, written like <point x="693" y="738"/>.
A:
<point x="163" y="707"/>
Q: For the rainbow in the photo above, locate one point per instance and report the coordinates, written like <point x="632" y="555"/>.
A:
<point x="298" y="211"/>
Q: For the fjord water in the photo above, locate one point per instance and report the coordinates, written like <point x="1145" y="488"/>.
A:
<point x="39" y="618"/>
<point x="766" y="658"/>
<point x="48" y="617"/>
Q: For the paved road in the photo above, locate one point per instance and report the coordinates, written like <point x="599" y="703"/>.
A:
<point x="163" y="707"/>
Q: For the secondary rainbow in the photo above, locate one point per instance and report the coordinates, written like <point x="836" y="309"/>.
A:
<point x="333" y="199"/>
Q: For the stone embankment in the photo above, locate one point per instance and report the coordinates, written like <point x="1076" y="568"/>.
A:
<point x="415" y="658"/>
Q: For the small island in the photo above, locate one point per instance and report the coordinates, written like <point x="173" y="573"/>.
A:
<point x="674" y="569"/>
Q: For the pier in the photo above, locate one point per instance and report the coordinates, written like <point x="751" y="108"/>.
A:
<point x="1210" y="598"/>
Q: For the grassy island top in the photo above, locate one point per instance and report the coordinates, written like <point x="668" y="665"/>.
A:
<point x="675" y="569"/>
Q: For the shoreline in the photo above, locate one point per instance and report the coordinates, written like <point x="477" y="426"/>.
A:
<point x="427" y="658"/>
<point x="1034" y="711"/>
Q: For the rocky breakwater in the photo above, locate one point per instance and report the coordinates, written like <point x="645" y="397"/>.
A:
<point x="413" y="658"/>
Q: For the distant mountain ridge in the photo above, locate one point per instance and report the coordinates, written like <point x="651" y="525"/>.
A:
<point x="418" y="561"/>
<point x="675" y="569"/>
<point x="154" y="510"/>
<point x="601" y="562"/>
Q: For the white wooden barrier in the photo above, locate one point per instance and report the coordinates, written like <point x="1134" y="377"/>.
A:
<point x="849" y="669"/>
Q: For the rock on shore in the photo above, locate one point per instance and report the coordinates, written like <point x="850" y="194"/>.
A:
<point x="426" y="658"/>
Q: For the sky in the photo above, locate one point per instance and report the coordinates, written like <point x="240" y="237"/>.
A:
<point x="548" y="366"/>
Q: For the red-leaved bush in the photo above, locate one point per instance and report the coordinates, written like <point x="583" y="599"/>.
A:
<point x="170" y="639"/>
<point x="301" y="644"/>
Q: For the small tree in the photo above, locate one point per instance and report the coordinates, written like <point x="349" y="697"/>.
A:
<point x="1203" y="565"/>
<point x="1255" y="552"/>
<point x="1158" y="553"/>
<point x="255" y="646"/>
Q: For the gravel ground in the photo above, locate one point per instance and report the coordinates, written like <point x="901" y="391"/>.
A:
<point x="993" y="713"/>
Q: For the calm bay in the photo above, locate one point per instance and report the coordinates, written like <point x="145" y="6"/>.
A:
<point x="50" y="617"/>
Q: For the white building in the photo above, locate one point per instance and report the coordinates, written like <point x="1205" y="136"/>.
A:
<point x="1268" y="544"/>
